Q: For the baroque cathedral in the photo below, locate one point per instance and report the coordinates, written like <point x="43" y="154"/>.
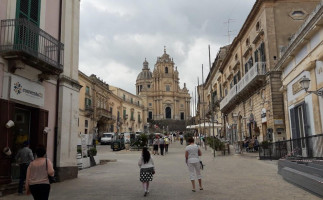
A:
<point x="160" y="91"/>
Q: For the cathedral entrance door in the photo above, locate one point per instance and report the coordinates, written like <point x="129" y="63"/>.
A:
<point x="168" y="112"/>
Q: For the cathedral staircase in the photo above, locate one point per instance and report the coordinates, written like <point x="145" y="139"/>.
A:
<point x="173" y="125"/>
<point x="307" y="174"/>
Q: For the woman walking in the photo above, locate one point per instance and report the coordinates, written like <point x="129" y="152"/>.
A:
<point x="155" y="145"/>
<point x="146" y="164"/>
<point x="37" y="182"/>
<point x="192" y="153"/>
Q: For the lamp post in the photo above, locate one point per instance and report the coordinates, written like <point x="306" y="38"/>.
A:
<point x="305" y="83"/>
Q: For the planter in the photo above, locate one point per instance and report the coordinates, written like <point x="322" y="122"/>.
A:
<point x="86" y="162"/>
<point x="127" y="146"/>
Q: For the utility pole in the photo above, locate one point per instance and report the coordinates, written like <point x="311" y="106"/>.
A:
<point x="211" y="107"/>
<point x="199" y="107"/>
<point x="204" y="134"/>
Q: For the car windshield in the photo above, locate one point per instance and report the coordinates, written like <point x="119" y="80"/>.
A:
<point x="107" y="135"/>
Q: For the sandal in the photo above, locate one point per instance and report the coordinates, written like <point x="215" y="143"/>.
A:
<point x="193" y="191"/>
<point x="201" y="188"/>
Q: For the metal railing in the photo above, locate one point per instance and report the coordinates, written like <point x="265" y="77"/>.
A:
<point x="21" y="35"/>
<point x="306" y="147"/>
<point x="259" y="68"/>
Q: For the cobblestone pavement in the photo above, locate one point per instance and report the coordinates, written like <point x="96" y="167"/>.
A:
<point x="224" y="177"/>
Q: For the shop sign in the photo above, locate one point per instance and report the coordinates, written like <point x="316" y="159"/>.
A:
<point x="263" y="115"/>
<point x="278" y="121"/>
<point x="297" y="87"/>
<point x="26" y="91"/>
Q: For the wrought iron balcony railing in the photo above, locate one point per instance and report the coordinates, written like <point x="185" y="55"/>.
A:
<point x="255" y="73"/>
<point x="22" y="39"/>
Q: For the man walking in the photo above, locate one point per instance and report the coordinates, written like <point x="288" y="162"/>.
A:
<point x="166" y="144"/>
<point x="161" y="145"/>
<point x="24" y="156"/>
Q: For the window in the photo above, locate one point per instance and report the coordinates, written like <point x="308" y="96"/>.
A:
<point x="166" y="70"/>
<point x="247" y="42"/>
<point x="85" y="131"/>
<point x="131" y="100"/>
<point x="132" y="118"/>
<point x="150" y="104"/>
<point x="257" y="26"/>
<point x="182" y="116"/>
<point x="87" y="90"/>
<point x="88" y="103"/>
<point x="167" y="88"/>
<point x="148" y="86"/>
<point x="182" y="105"/>
<point x="248" y="64"/>
<point x="138" y="103"/>
<point x="29" y="10"/>
<point x="124" y="114"/>
<point x="150" y="115"/>
<point x="111" y="109"/>
<point x="86" y="123"/>
<point x="139" y="120"/>
<point x="124" y="97"/>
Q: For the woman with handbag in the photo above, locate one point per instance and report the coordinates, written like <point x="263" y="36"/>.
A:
<point x="146" y="164"/>
<point x="192" y="153"/>
<point x="37" y="182"/>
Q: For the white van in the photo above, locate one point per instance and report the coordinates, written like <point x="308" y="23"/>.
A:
<point x="107" y="138"/>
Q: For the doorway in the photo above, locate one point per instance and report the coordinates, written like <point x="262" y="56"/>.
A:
<point x="168" y="112"/>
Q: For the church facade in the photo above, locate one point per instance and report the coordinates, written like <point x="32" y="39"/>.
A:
<point x="162" y="96"/>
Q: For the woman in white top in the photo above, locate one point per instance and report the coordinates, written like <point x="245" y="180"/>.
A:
<point x="146" y="164"/>
<point x="192" y="153"/>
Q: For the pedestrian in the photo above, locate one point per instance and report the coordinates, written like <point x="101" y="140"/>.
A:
<point x="166" y="144"/>
<point x="155" y="145"/>
<point x="161" y="145"/>
<point x="147" y="169"/>
<point x="23" y="157"/>
<point x="192" y="153"/>
<point x="181" y="138"/>
<point x="37" y="182"/>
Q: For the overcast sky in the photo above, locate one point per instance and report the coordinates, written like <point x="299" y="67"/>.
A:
<point x="117" y="35"/>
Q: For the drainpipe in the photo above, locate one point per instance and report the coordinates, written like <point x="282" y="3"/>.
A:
<point x="57" y="84"/>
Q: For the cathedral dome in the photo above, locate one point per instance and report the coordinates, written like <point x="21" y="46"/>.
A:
<point x="145" y="73"/>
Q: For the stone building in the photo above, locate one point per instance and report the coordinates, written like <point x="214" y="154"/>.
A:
<point x="161" y="93"/>
<point x="39" y="82"/>
<point x="250" y="101"/>
<point x="131" y="116"/>
<point x="303" y="59"/>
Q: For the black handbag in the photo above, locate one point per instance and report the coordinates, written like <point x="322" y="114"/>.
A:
<point x="202" y="166"/>
<point x="52" y="179"/>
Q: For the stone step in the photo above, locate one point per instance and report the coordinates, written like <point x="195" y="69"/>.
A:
<point x="10" y="188"/>
<point x="308" y="168"/>
<point x="304" y="180"/>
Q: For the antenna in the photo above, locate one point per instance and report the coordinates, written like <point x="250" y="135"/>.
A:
<point x="229" y="31"/>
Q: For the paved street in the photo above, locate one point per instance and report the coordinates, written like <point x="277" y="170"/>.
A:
<point x="250" y="178"/>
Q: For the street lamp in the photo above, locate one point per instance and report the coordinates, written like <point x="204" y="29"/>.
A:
<point x="305" y="83"/>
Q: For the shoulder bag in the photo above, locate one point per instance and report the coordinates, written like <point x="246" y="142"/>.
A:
<point x="52" y="179"/>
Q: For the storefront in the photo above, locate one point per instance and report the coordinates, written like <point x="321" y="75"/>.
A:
<point x="24" y="106"/>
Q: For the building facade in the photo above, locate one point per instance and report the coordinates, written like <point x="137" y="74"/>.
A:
<point x="161" y="93"/>
<point x="131" y="116"/>
<point x="251" y="103"/>
<point x="38" y="81"/>
<point x="303" y="58"/>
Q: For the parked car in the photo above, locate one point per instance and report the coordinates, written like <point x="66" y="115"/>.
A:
<point x="118" y="145"/>
<point x="107" y="138"/>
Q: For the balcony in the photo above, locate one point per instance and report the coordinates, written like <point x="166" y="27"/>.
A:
<point x="22" y="40"/>
<point x="254" y="78"/>
<point x="88" y="110"/>
<point x="101" y="112"/>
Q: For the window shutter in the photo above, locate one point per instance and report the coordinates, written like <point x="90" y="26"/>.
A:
<point x="306" y="126"/>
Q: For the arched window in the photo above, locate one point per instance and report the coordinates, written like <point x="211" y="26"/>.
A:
<point x="166" y="70"/>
